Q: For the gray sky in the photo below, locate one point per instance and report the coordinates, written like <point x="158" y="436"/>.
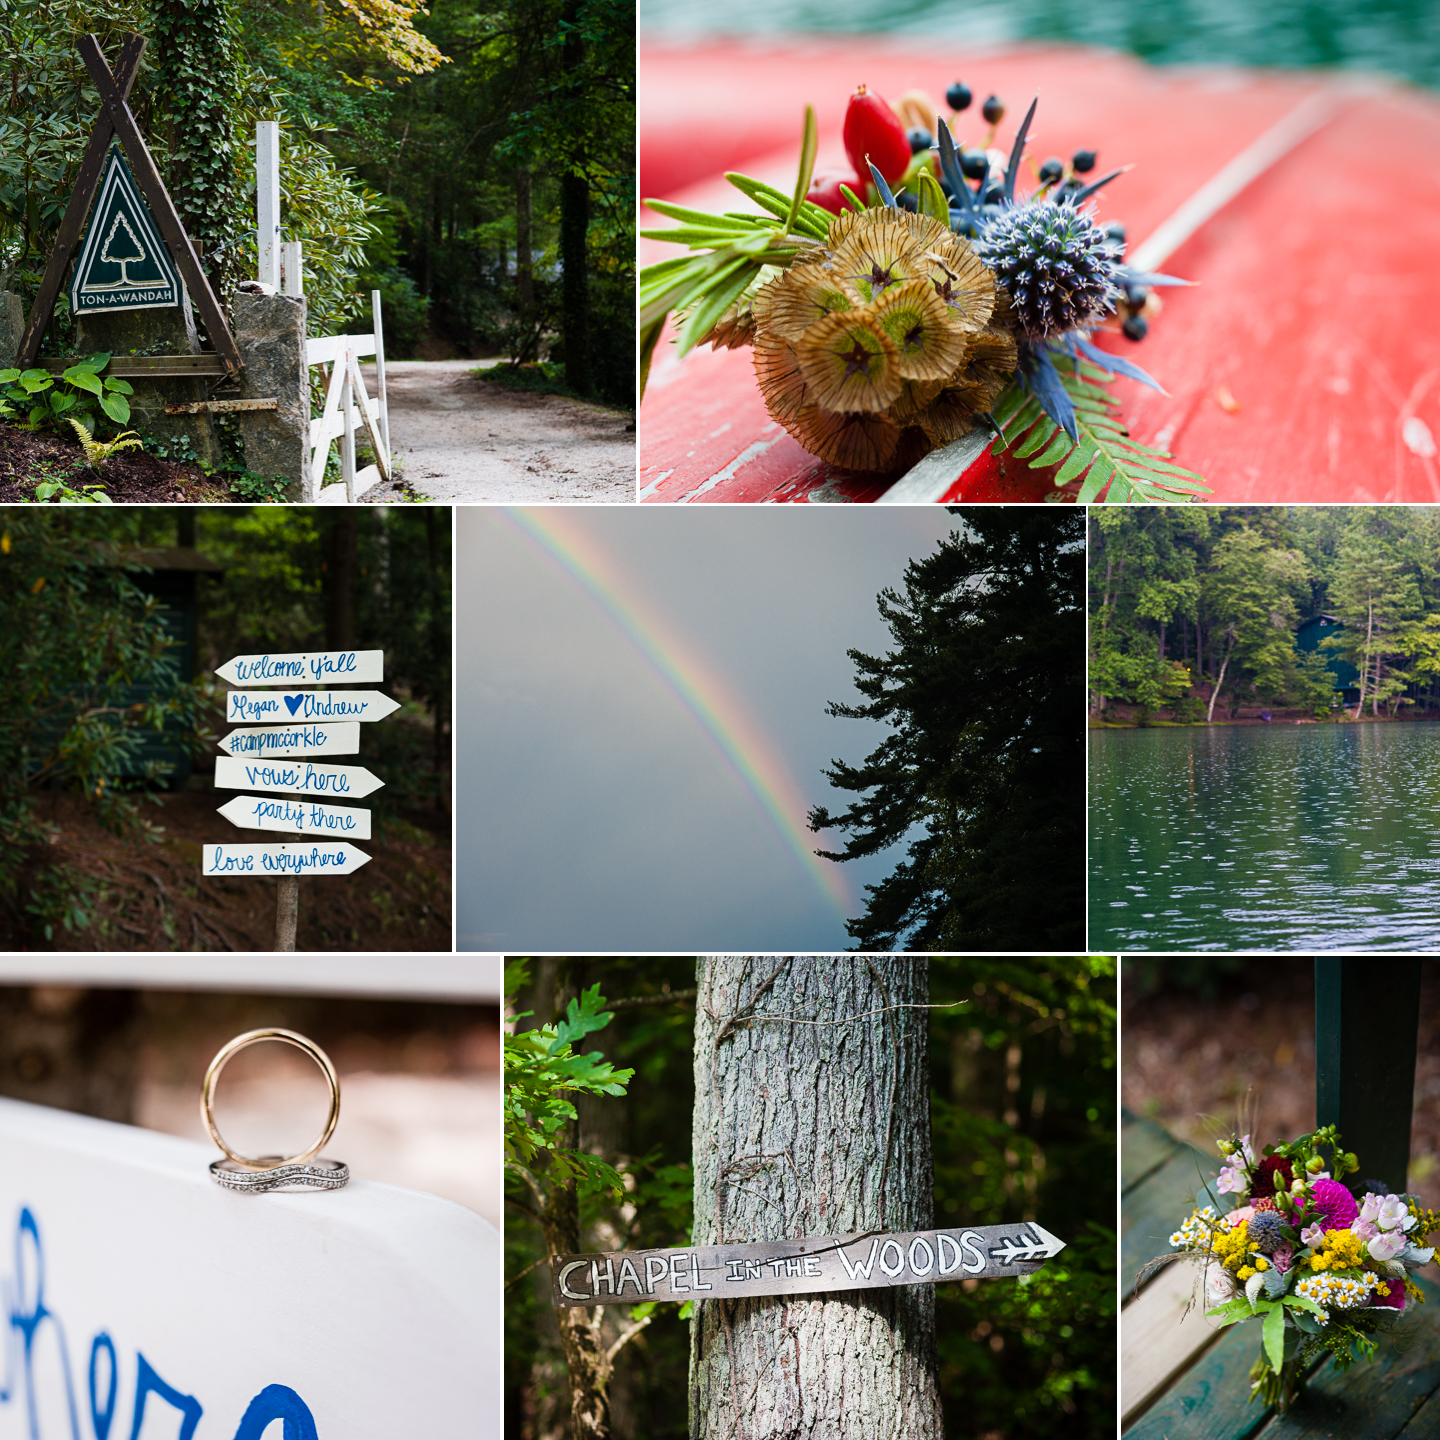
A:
<point x="595" y="812"/>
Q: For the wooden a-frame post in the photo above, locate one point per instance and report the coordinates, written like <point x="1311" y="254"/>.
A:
<point x="116" y="119"/>
<point x="1367" y="1017"/>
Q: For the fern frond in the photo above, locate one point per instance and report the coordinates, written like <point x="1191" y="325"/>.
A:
<point x="1109" y="464"/>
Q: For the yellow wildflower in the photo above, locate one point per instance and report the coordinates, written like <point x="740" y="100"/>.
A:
<point x="1245" y="1272"/>
<point x="1261" y="1263"/>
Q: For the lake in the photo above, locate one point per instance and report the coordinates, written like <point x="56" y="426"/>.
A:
<point x="1401" y="37"/>
<point x="1291" y="838"/>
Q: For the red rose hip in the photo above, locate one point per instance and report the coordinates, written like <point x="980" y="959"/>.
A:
<point x="873" y="129"/>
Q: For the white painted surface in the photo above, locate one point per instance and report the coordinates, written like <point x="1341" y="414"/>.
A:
<point x="928" y="481"/>
<point x="327" y="349"/>
<point x="365" y="479"/>
<point x="324" y="707"/>
<point x="267" y="200"/>
<point x="333" y="782"/>
<point x="287" y="741"/>
<point x="378" y="1309"/>
<point x="305" y="667"/>
<point x="292" y="267"/>
<point x="296" y="817"/>
<point x="313" y="857"/>
<point x="471" y="977"/>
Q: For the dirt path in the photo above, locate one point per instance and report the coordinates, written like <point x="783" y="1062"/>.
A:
<point x="460" y="438"/>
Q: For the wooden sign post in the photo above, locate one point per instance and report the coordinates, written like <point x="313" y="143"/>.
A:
<point x="801" y="1267"/>
<point x="270" y="759"/>
<point x="142" y="1300"/>
<point x="116" y="119"/>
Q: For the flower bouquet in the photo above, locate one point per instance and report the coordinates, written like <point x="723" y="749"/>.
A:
<point x="896" y="309"/>
<point x="1322" y="1265"/>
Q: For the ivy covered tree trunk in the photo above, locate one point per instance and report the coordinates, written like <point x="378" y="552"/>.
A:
<point x="575" y="227"/>
<point x="812" y="1129"/>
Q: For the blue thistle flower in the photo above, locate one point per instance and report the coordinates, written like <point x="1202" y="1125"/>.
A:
<point x="1264" y="1232"/>
<point x="1058" y="266"/>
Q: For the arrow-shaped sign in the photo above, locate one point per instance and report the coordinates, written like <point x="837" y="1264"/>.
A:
<point x="335" y="782"/>
<point x="323" y="857"/>
<point x="259" y="707"/>
<point x="1023" y="1247"/>
<point x="287" y="740"/>
<point x="300" y="817"/>
<point x="305" y="667"/>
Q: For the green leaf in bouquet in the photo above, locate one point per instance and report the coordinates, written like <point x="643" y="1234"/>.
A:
<point x="1230" y="1311"/>
<point x="809" y="142"/>
<point x="852" y="197"/>
<point x="1274" y="1335"/>
<point x="932" y="199"/>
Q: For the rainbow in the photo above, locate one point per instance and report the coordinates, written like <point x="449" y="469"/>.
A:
<point x="700" y="691"/>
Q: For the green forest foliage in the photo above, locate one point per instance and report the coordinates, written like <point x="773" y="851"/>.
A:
<point x="417" y="145"/>
<point x="1194" y="612"/>
<point x="983" y="772"/>
<point x="88" y="669"/>
<point x="1022" y="1108"/>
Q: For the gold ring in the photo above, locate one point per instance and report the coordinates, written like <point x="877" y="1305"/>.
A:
<point x="239" y="1043"/>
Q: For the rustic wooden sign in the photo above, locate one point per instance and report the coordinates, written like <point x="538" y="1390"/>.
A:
<point x="801" y="1267"/>
<point x="351" y="667"/>
<point x="123" y="263"/>
<point x="299" y="817"/>
<point x="141" y="1300"/>
<point x="338" y="782"/>
<point x="255" y="707"/>
<point x="294" y="740"/>
<point x="332" y="857"/>
<point x="116" y="119"/>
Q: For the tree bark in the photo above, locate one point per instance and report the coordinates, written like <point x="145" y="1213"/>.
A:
<point x="524" y="242"/>
<point x="340" y="590"/>
<point x="574" y="231"/>
<point x="805" y="1129"/>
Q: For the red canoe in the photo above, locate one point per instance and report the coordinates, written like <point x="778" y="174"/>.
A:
<point x="1304" y="366"/>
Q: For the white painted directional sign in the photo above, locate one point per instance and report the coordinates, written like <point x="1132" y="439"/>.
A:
<point x="258" y="707"/>
<point x="322" y="857"/>
<point x="300" y="817"/>
<point x="799" y="1267"/>
<point x="123" y="264"/>
<point x="306" y="667"/>
<point x="337" y="782"/>
<point x="284" y="741"/>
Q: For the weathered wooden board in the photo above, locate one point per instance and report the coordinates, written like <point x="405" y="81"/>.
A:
<point x="298" y="817"/>
<point x="1161" y="1333"/>
<point x="261" y="707"/>
<point x="800" y="1267"/>
<point x="141" y="1300"/>
<point x="286" y="741"/>
<point x="333" y="857"/>
<point x="337" y="782"/>
<point x="305" y="667"/>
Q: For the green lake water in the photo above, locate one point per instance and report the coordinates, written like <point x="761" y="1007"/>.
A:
<point x="1401" y="37"/>
<point x="1290" y="838"/>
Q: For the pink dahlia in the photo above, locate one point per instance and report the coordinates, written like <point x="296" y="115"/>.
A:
<point x="1330" y="1204"/>
<point x="1395" y="1300"/>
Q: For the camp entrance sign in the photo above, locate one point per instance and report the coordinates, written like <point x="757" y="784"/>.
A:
<point x="251" y="707"/>
<point x="123" y="263"/>
<point x="284" y="741"/>
<point x="283" y="861"/>
<point x="801" y="1267"/>
<point x="335" y="782"/>
<point x="347" y="667"/>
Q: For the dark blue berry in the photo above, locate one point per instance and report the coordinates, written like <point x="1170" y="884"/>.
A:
<point x="957" y="97"/>
<point x="1116" y="231"/>
<point x="1134" y="327"/>
<point x="974" y="165"/>
<point x="1052" y="170"/>
<point x="1136" y="295"/>
<point x="1083" y="161"/>
<point x="919" y="138"/>
<point x="993" y="110"/>
<point x="994" y="194"/>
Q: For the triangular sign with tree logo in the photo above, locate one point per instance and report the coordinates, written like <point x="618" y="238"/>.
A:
<point x="124" y="264"/>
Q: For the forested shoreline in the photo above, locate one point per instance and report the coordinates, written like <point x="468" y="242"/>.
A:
<point x="1193" y="612"/>
<point x="474" y="164"/>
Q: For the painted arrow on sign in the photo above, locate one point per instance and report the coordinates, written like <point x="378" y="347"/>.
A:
<point x="300" y="817"/>
<point x="258" y="707"/>
<point x="1024" y="1247"/>
<point x="305" y="667"/>
<point x="800" y="1267"/>
<point x="288" y="740"/>
<point x="332" y="857"/>
<point x="336" y="782"/>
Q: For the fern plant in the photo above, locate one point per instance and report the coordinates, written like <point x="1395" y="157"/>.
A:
<point x="1107" y="461"/>
<point x="97" y="452"/>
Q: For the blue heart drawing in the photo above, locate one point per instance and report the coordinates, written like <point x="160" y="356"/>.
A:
<point x="294" y="702"/>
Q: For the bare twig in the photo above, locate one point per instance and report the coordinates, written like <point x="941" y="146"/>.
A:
<point x="630" y="1334"/>
<point x="518" y="1278"/>
<point x="632" y="1002"/>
